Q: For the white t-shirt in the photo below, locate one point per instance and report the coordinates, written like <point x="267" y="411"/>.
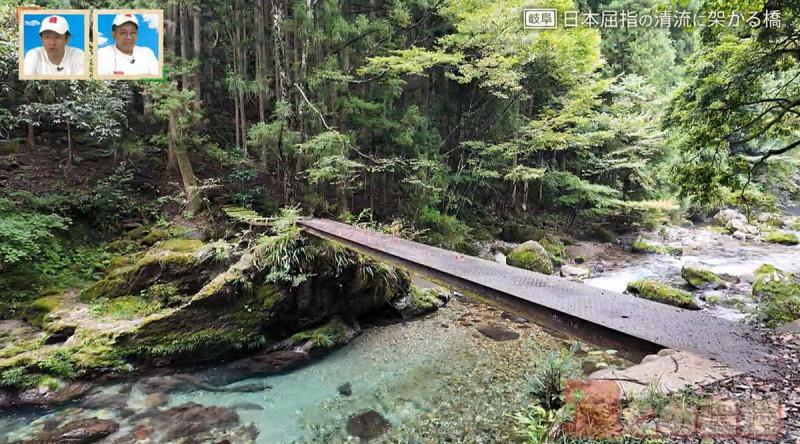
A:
<point x="112" y="61"/>
<point x="36" y="63"/>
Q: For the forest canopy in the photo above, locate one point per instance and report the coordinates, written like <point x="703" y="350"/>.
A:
<point x="439" y="112"/>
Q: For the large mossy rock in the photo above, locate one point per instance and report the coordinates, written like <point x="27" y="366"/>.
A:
<point x="778" y="295"/>
<point x="531" y="256"/>
<point x="658" y="292"/>
<point x="518" y="232"/>
<point x="183" y="304"/>
<point x="554" y="248"/>
<point x="701" y="278"/>
<point x="238" y="311"/>
<point x="782" y="238"/>
<point x="186" y="263"/>
<point x="645" y="247"/>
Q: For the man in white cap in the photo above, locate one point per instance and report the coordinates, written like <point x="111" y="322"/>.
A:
<point x="54" y="57"/>
<point x="124" y="57"/>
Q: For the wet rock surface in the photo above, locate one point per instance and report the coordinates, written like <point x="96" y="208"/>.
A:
<point x="498" y="332"/>
<point x="367" y="425"/>
<point x="81" y="431"/>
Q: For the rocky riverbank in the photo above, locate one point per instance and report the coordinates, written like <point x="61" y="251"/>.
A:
<point x="270" y="302"/>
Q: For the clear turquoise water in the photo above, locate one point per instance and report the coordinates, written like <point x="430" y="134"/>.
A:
<point x="431" y="382"/>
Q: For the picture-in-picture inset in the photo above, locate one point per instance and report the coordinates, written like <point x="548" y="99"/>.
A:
<point x="128" y="44"/>
<point x="54" y="44"/>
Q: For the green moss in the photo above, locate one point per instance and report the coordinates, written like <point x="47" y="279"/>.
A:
<point x="269" y="295"/>
<point x="329" y="335"/>
<point x="209" y="342"/>
<point x="154" y="235"/>
<point x="554" y="248"/>
<point x="642" y="246"/>
<point x="700" y="278"/>
<point x="531" y="256"/>
<point x="108" y="287"/>
<point x="167" y="295"/>
<point x="181" y="245"/>
<point x="783" y="238"/>
<point x="425" y="300"/>
<point x="39" y="308"/>
<point x="124" y="307"/>
<point x="658" y="292"/>
<point x="778" y="295"/>
<point x="795" y="225"/>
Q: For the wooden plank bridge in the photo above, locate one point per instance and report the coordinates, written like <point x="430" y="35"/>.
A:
<point x="630" y="324"/>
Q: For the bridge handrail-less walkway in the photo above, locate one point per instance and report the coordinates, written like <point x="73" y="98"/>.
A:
<point x="600" y="316"/>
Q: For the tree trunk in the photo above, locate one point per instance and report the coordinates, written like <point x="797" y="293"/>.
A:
<point x="184" y="43"/>
<point x="197" y="55"/>
<point x="31" y="136"/>
<point x="69" y="145"/>
<point x="169" y="48"/>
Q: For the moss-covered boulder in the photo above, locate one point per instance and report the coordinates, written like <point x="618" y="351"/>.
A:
<point x="778" y="295"/>
<point x="658" y="292"/>
<point x="554" y="248"/>
<point x="701" y="278"/>
<point x="531" y="256"/>
<point x="781" y="237"/>
<point x="645" y="247"/>
<point x="519" y="232"/>
<point x="186" y="263"/>
<point x="39" y="308"/>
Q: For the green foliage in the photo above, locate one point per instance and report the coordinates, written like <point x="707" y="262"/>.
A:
<point x="334" y="332"/>
<point x="663" y="293"/>
<point x="778" y="296"/>
<point x="18" y="377"/>
<point x="444" y="230"/>
<point x="59" y="363"/>
<point x="113" y="199"/>
<point x="25" y="233"/>
<point x="547" y="381"/>
<point x="286" y="253"/>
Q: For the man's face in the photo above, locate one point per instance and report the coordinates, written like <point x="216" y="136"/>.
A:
<point x="54" y="42"/>
<point x="125" y="35"/>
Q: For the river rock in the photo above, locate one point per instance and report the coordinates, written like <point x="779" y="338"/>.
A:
<point x="271" y="362"/>
<point x="105" y="401"/>
<point x="531" y="256"/>
<point x="575" y="272"/>
<point x="500" y="258"/>
<point x="345" y="389"/>
<point x="190" y="419"/>
<point x="40" y="396"/>
<point x="156" y="400"/>
<point x="247" y="406"/>
<point x="498" y="332"/>
<point x="367" y="425"/>
<point x="513" y="318"/>
<point x="724" y="217"/>
<point x="80" y="431"/>
<point x="740" y="235"/>
<point x="701" y="278"/>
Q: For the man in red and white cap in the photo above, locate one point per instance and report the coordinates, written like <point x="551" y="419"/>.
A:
<point x="124" y="57"/>
<point x="54" y="57"/>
